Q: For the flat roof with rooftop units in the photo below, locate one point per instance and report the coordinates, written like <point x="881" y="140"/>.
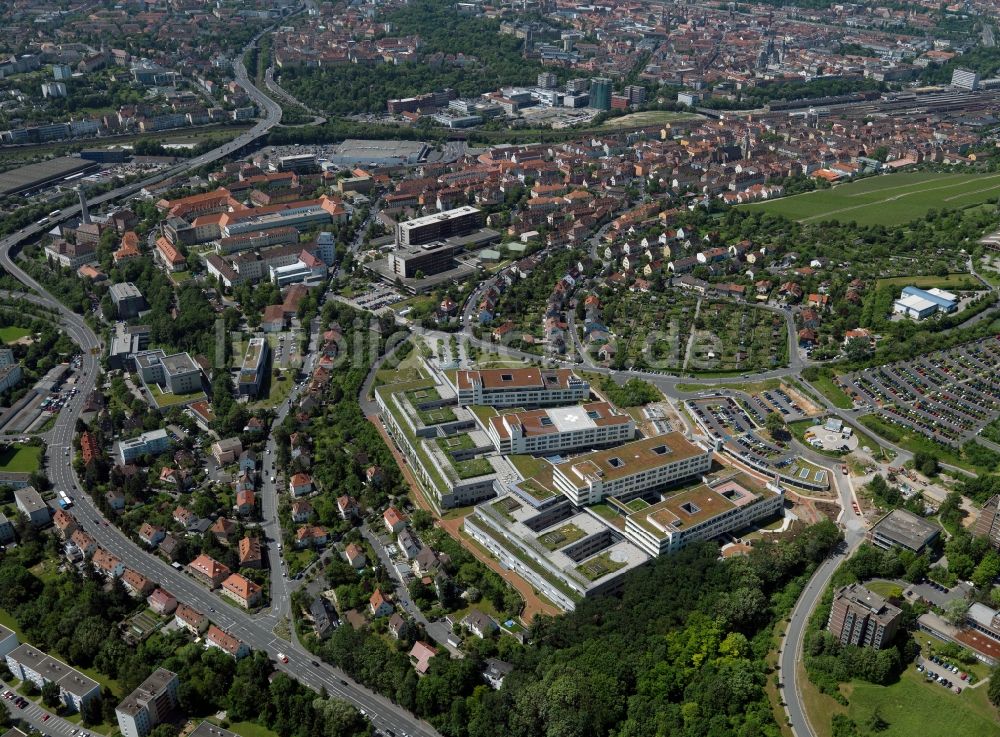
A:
<point x="35" y="176"/>
<point x="902" y="529"/>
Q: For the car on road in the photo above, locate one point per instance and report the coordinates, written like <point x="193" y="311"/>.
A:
<point x="315" y="663"/>
<point x="46" y="717"/>
<point x="282" y="657"/>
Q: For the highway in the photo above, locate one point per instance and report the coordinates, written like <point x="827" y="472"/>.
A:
<point x="257" y="632"/>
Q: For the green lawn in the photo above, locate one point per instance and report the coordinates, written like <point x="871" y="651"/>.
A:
<point x="20" y="458"/>
<point x="565" y="535"/>
<point x="892" y="199"/>
<point x="169" y="399"/>
<point x="912" y="441"/>
<point x="929" y="281"/>
<point x="832" y="391"/>
<point x="251" y="729"/>
<point x="886" y="589"/>
<point x="12" y="334"/>
<point x="526" y="465"/>
<point x="912" y="707"/>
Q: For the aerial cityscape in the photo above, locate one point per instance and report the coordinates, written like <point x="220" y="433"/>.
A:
<point x="443" y="368"/>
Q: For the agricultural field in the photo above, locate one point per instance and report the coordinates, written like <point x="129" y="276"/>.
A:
<point x="892" y="199"/>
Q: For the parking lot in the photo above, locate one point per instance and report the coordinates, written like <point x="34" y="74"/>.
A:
<point x="726" y="419"/>
<point x="377" y="297"/>
<point x="948" y="396"/>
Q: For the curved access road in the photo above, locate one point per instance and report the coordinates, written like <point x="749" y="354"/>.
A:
<point x="256" y="632"/>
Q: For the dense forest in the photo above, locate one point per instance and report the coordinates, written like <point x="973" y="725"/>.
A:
<point x="492" y="60"/>
<point x="680" y="652"/>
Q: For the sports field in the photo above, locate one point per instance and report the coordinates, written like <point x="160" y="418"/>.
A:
<point x="891" y="199"/>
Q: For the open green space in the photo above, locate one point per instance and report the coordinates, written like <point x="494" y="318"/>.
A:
<point x="472" y="468"/>
<point x="12" y="334"/>
<point x="648" y="117"/>
<point x="912" y="706"/>
<point x="527" y="465"/>
<point x="892" y="199"/>
<point x="251" y="729"/>
<point x="913" y="442"/>
<point x="20" y="458"/>
<point x="929" y="281"/>
<point x="825" y="384"/>
<point x="750" y="387"/>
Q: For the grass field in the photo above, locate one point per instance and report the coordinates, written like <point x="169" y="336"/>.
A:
<point x="912" y="706"/>
<point x="20" y="459"/>
<point x="12" y="334"/>
<point x="832" y="391"/>
<point x="914" y="442"/>
<point x="168" y="399"/>
<point x="648" y="117"/>
<point x="951" y="281"/>
<point x="892" y="199"/>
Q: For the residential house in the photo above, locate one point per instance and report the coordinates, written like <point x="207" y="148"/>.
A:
<point x="190" y="619"/>
<point x="348" y="507"/>
<point x="379" y="605"/>
<point x="394" y="520"/>
<point x="248" y="462"/>
<point x="223" y="529"/>
<point x="323" y="616"/>
<point x="162" y="602"/>
<point x="82" y="543"/>
<point x="250" y="553"/>
<point x="208" y="570"/>
<point x="241" y="590"/>
<point x="300" y="484"/>
<point x="310" y="535"/>
<point x="63" y="522"/>
<point x="479" y="623"/>
<point x="302" y="511"/>
<point x="107" y="564"/>
<point x="233" y="646"/>
<point x="408" y="543"/>
<point x="170" y="547"/>
<point x="420" y="656"/>
<point x="185" y="517"/>
<point x="397" y="626"/>
<point x="495" y="671"/>
<point x="246" y="503"/>
<point x="137" y="584"/>
<point x="355" y="555"/>
<point x="226" y="451"/>
<point x="151" y="535"/>
<point x="115" y="499"/>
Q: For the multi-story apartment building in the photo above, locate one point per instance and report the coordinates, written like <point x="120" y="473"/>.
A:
<point x="631" y="470"/>
<point x="253" y="372"/>
<point x="518" y="387"/>
<point x="859" y="617"/>
<point x="150" y="704"/>
<point x="556" y="430"/>
<point x="30" y="664"/>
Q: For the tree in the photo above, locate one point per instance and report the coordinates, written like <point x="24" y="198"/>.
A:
<point x="775" y="425"/>
<point x="955" y="611"/>
<point x="50" y="694"/>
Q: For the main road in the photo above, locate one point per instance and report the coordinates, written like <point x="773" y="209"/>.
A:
<point x="256" y="632"/>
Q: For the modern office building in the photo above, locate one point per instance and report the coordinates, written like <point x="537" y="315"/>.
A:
<point x="427" y="259"/>
<point x="128" y="300"/>
<point x="556" y="430"/>
<point x="152" y="443"/>
<point x="253" y="371"/>
<point x="566" y="553"/>
<point x="176" y="373"/>
<point x="600" y="93"/>
<point x="440" y="225"/>
<point x="702" y="512"/>
<point x="631" y="470"/>
<point x="965" y="79"/>
<point x="902" y="529"/>
<point x="30" y="664"/>
<point x="150" y="704"/>
<point x="859" y="617"/>
<point x="520" y="387"/>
